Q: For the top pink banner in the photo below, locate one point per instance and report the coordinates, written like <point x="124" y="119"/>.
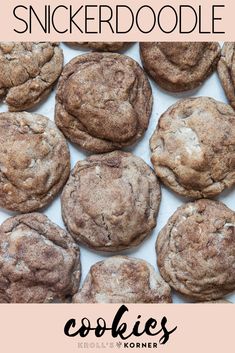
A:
<point x="116" y="20"/>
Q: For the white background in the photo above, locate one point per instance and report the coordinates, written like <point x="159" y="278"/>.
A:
<point x="170" y="201"/>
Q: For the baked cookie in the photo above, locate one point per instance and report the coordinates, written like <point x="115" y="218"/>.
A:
<point x="226" y="70"/>
<point x="104" y="101"/>
<point x="100" y="46"/>
<point x="193" y="147"/>
<point x="34" y="161"/>
<point x="120" y="279"/>
<point x="28" y="72"/>
<point x="179" y="66"/>
<point x="111" y="201"/>
<point x="196" y="250"/>
<point x="39" y="261"/>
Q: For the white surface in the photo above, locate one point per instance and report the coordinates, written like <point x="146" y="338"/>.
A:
<point x="170" y="201"/>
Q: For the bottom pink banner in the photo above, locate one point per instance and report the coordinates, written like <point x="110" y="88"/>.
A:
<point x="60" y="328"/>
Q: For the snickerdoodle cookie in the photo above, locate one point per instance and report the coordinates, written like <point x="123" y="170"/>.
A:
<point x="193" y="147"/>
<point x="226" y="70"/>
<point x="121" y="279"/>
<point x="28" y="71"/>
<point x="39" y="261"/>
<point x="111" y="201"/>
<point x="34" y="161"/>
<point x="196" y="250"/>
<point x="180" y="66"/>
<point x="100" y="46"/>
<point x="104" y="101"/>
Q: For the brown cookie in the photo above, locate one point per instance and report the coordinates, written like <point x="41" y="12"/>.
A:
<point x="196" y="250"/>
<point x="193" y="147"/>
<point x="28" y="72"/>
<point x="39" y="261"/>
<point x="104" y="101"/>
<point x="100" y="46"/>
<point x="121" y="279"/>
<point x="34" y="161"/>
<point x="226" y="70"/>
<point x="111" y="201"/>
<point x="179" y="66"/>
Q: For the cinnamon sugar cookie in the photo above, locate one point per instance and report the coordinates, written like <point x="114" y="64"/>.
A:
<point x="39" y="261"/>
<point x="28" y="71"/>
<point x="196" y="250"/>
<point x="111" y="201"/>
<point x="34" y="161"/>
<point x="121" y="279"/>
<point x="104" y="101"/>
<point x="226" y="70"/>
<point x="193" y="147"/>
<point x="179" y="66"/>
<point x="100" y="46"/>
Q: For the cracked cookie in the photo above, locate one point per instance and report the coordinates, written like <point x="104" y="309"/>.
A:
<point x="28" y="72"/>
<point x="179" y="66"/>
<point x="100" y="46"/>
<point x="34" y="161"/>
<point x="39" y="261"/>
<point x="226" y="71"/>
<point x="104" y="101"/>
<point x="196" y="250"/>
<point x="121" y="279"/>
<point x="193" y="147"/>
<point x="111" y="201"/>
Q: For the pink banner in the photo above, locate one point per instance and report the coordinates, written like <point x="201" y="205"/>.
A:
<point x="105" y="20"/>
<point x="136" y="328"/>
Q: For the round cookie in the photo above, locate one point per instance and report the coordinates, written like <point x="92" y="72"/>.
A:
<point x="34" y="161"/>
<point x="121" y="279"/>
<point x="39" y="261"/>
<point x="28" y="72"/>
<point x="104" y="101"/>
<point x="111" y="201"/>
<point x="193" y="147"/>
<point x="100" y="46"/>
<point x="179" y="66"/>
<point x="196" y="250"/>
<point x="226" y="70"/>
